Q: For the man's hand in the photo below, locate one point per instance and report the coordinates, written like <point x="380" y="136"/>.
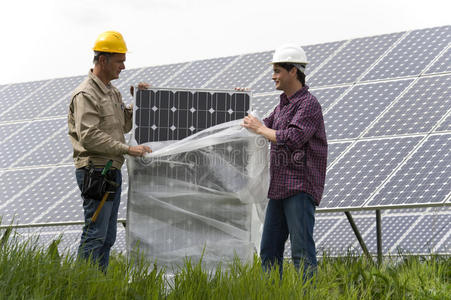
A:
<point x="139" y="150"/>
<point x="252" y="123"/>
<point x="141" y="86"/>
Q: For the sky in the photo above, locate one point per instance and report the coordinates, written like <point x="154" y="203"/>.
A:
<point x="44" y="39"/>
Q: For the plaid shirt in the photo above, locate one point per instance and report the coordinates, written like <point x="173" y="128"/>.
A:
<point x="299" y="158"/>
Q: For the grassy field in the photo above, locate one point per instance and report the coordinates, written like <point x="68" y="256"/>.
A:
<point x="28" y="271"/>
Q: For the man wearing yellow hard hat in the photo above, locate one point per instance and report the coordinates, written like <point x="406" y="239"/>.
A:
<point x="97" y="121"/>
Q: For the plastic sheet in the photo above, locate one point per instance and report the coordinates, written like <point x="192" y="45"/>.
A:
<point x="202" y="196"/>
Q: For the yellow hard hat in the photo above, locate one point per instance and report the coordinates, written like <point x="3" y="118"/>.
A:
<point x="110" y="41"/>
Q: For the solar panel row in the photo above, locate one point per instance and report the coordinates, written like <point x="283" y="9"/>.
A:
<point x="386" y="103"/>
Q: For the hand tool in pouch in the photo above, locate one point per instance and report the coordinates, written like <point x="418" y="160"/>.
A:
<point x="105" y="196"/>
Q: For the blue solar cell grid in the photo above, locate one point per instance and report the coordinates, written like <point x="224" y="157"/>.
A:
<point x="353" y="60"/>
<point x="264" y="105"/>
<point x="445" y="125"/>
<point x="42" y="100"/>
<point x="316" y="54"/>
<point x="157" y="75"/>
<point x="443" y="64"/>
<point x="352" y="114"/>
<point x="342" y="239"/>
<point x="44" y="197"/>
<point x="328" y="96"/>
<point x="6" y="130"/>
<point x="418" y="110"/>
<point x="362" y="169"/>
<point x="424" y="178"/>
<point x="334" y="150"/>
<point x="29" y="138"/>
<point x="413" y="54"/>
<point x="243" y="72"/>
<point x="11" y="184"/>
<point x="199" y="72"/>
<point x="427" y="233"/>
<point x="17" y="92"/>
<point x="56" y="150"/>
<point x="393" y="227"/>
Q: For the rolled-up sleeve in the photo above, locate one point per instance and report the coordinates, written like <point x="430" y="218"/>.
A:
<point x="87" y="120"/>
<point x="301" y="128"/>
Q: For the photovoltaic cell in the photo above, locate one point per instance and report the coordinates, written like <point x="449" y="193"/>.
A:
<point x="316" y="54"/>
<point x="361" y="170"/>
<point x="56" y="150"/>
<point x="353" y="60"/>
<point x="163" y="115"/>
<point x="418" y="110"/>
<point x="412" y="54"/>
<point x="443" y="64"/>
<point x="424" y="178"/>
<point x="445" y="125"/>
<point x="426" y="234"/>
<point x="328" y="96"/>
<point x="199" y="72"/>
<point x="393" y="228"/>
<point x="157" y="75"/>
<point x="11" y="184"/>
<point x="42" y="100"/>
<point x="355" y="112"/>
<point x="36" y="200"/>
<point x="264" y="105"/>
<point x="28" y="138"/>
<point x="16" y="92"/>
<point x="334" y="150"/>
<point x="243" y="72"/>
<point x="7" y="129"/>
<point x="342" y="239"/>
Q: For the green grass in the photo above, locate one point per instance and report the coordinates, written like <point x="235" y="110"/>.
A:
<point x="28" y="271"/>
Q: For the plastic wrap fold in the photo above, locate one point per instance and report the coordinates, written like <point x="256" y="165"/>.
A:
<point x="203" y="195"/>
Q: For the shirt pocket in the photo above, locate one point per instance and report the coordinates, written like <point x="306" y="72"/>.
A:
<point x="107" y="114"/>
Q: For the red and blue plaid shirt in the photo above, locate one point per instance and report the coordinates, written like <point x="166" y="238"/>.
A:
<point x="299" y="158"/>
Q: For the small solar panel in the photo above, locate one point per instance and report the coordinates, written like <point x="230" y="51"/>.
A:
<point x="167" y="114"/>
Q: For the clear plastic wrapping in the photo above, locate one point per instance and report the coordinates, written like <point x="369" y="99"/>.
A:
<point x="200" y="196"/>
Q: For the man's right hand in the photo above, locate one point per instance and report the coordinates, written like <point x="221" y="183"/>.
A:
<point x="139" y="150"/>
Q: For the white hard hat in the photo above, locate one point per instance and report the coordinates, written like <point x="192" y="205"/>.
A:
<point x="289" y="53"/>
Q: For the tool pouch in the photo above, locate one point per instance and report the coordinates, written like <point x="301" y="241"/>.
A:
<point x="95" y="185"/>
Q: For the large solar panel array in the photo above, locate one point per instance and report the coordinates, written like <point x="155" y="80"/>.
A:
<point x="387" y="107"/>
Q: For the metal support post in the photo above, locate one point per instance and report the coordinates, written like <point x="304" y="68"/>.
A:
<point x="358" y="236"/>
<point x="379" y="236"/>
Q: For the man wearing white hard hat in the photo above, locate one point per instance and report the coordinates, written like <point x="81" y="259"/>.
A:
<point x="297" y="165"/>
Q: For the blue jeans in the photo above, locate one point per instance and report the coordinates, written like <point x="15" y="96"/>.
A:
<point x="294" y="216"/>
<point x="98" y="238"/>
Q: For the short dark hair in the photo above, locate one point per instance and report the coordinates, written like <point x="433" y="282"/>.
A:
<point x="287" y="66"/>
<point x="97" y="55"/>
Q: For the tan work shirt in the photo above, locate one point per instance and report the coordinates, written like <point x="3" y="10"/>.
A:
<point x="98" y="120"/>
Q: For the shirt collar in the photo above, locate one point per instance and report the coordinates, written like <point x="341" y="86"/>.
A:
<point x="284" y="100"/>
<point x="106" y="89"/>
